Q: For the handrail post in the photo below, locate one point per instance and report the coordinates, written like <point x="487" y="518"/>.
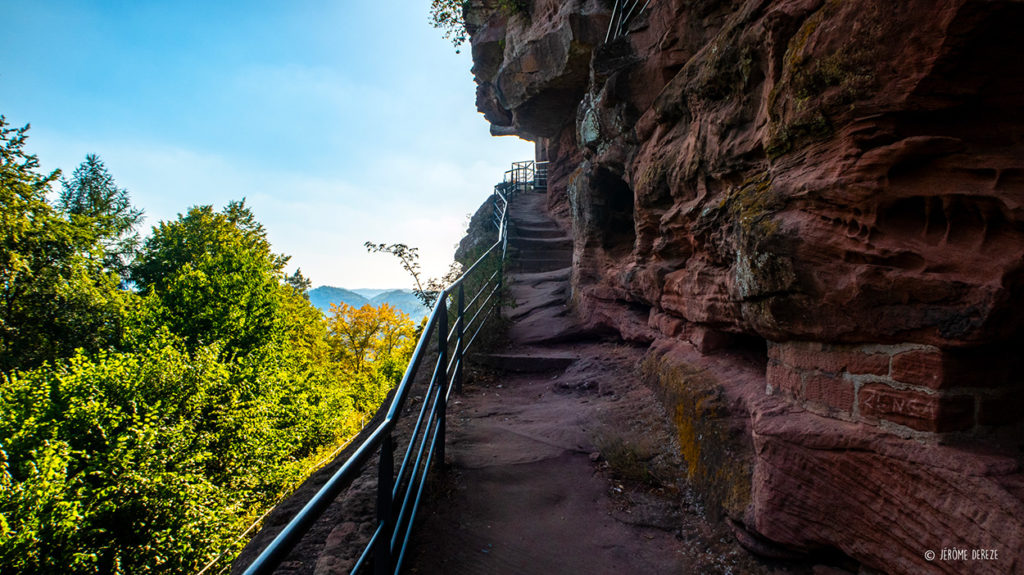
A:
<point x="503" y="238"/>
<point x="611" y="24"/>
<point x="442" y="351"/>
<point x="385" y="483"/>
<point x="459" y="328"/>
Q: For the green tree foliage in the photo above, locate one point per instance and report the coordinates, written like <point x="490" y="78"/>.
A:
<point x="92" y="197"/>
<point x="372" y="345"/>
<point x="141" y="431"/>
<point x="216" y="278"/>
<point x="447" y="16"/>
<point x="144" y="462"/>
<point x="55" y="295"/>
<point x="299" y="283"/>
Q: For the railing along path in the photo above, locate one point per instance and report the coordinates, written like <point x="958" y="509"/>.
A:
<point x="623" y="14"/>
<point x="399" y="494"/>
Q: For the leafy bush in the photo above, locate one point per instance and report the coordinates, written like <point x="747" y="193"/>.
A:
<point x="142" y="430"/>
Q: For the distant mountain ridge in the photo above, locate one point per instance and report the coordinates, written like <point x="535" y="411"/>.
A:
<point x="323" y="296"/>
<point x="401" y="299"/>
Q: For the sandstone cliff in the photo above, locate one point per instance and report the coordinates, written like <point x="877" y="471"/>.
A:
<point x="812" y="211"/>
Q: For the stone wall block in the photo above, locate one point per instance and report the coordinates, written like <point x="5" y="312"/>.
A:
<point x="917" y="410"/>
<point x="834" y="392"/>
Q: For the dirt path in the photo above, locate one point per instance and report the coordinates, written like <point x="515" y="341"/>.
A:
<point x="525" y="495"/>
<point x="560" y="460"/>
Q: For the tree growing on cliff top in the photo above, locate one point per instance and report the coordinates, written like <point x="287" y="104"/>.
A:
<point x="446" y="15"/>
<point x="449" y="16"/>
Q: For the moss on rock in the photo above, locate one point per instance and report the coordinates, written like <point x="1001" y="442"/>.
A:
<point x="719" y="461"/>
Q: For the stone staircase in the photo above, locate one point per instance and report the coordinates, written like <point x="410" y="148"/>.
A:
<point x="540" y="265"/>
<point x="539" y="244"/>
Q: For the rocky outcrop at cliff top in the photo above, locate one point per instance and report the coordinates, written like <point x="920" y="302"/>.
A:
<point x="834" y="188"/>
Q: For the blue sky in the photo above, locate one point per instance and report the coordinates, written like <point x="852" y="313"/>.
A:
<point x="339" y="121"/>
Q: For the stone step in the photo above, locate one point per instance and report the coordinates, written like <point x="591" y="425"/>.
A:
<point x="541" y="253"/>
<point x="534" y="265"/>
<point x="530" y="214"/>
<point x="562" y="243"/>
<point x="538" y="265"/>
<point x="544" y="254"/>
<point x="526" y="363"/>
<point x="537" y="233"/>
<point x="533" y="223"/>
<point x="530" y="218"/>
<point x="557" y="275"/>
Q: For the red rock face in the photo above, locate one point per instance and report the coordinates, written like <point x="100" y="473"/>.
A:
<point x="838" y="183"/>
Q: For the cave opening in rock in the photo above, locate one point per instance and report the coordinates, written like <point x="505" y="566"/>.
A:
<point x="616" y="197"/>
<point x="992" y="64"/>
<point x="975" y="90"/>
<point x="752" y="348"/>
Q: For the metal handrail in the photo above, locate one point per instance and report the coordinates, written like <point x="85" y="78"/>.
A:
<point x="540" y="175"/>
<point x="622" y="16"/>
<point x="390" y="539"/>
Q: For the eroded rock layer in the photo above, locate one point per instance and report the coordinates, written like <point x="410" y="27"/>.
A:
<point x="825" y="195"/>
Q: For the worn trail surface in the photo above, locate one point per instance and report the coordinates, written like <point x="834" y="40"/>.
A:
<point x="559" y="459"/>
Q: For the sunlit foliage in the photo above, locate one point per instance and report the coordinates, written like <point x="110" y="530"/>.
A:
<point x="446" y="15"/>
<point x="449" y="16"/>
<point x="144" y="424"/>
<point x="55" y="294"/>
<point x="92" y="197"/>
<point x="373" y="345"/>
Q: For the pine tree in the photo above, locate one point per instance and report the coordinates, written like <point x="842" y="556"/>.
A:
<point x="91" y="194"/>
<point x="53" y="299"/>
<point x="299" y="283"/>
